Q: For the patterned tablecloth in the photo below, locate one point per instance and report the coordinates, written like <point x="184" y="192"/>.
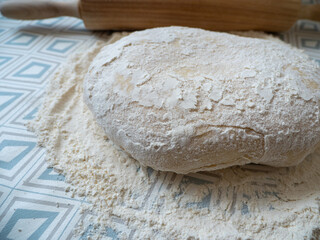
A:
<point x="33" y="201"/>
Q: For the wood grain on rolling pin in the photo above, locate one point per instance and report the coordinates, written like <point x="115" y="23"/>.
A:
<point x="219" y="15"/>
<point x="215" y="15"/>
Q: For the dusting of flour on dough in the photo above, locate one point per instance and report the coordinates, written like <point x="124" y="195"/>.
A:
<point x="248" y="202"/>
<point x="133" y="83"/>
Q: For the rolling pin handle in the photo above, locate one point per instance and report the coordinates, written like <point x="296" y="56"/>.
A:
<point x="31" y="10"/>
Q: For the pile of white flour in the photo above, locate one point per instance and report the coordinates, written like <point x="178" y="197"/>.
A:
<point x="248" y="202"/>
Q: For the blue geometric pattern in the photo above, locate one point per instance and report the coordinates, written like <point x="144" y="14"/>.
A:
<point x="61" y="46"/>
<point x="79" y="27"/>
<point x="11" y="98"/>
<point x="9" y="163"/>
<point x="33" y="195"/>
<point x="4" y="192"/>
<point x="31" y="115"/>
<point x="51" y="22"/>
<point x="30" y="51"/>
<point x="4" y="59"/>
<point x="311" y="43"/>
<point x="112" y="234"/>
<point x="309" y="26"/>
<point x="17" y="151"/>
<point x="49" y="174"/>
<point x="21" y="214"/>
<point x="205" y="201"/>
<point x="87" y="233"/>
<point x="7" y="58"/>
<point x="22" y="39"/>
<point x="32" y="70"/>
<point x="6" y="98"/>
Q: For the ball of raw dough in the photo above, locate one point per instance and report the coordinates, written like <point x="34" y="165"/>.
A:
<point x="186" y="100"/>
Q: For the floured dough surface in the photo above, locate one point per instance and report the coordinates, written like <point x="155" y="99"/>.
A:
<point x="241" y="202"/>
<point x="187" y="100"/>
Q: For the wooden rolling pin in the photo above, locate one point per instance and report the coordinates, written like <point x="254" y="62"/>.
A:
<point x="219" y="15"/>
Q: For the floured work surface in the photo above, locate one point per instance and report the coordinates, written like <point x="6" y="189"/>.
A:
<point x="252" y="201"/>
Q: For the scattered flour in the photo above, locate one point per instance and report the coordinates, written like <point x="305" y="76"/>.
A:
<point x="248" y="202"/>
